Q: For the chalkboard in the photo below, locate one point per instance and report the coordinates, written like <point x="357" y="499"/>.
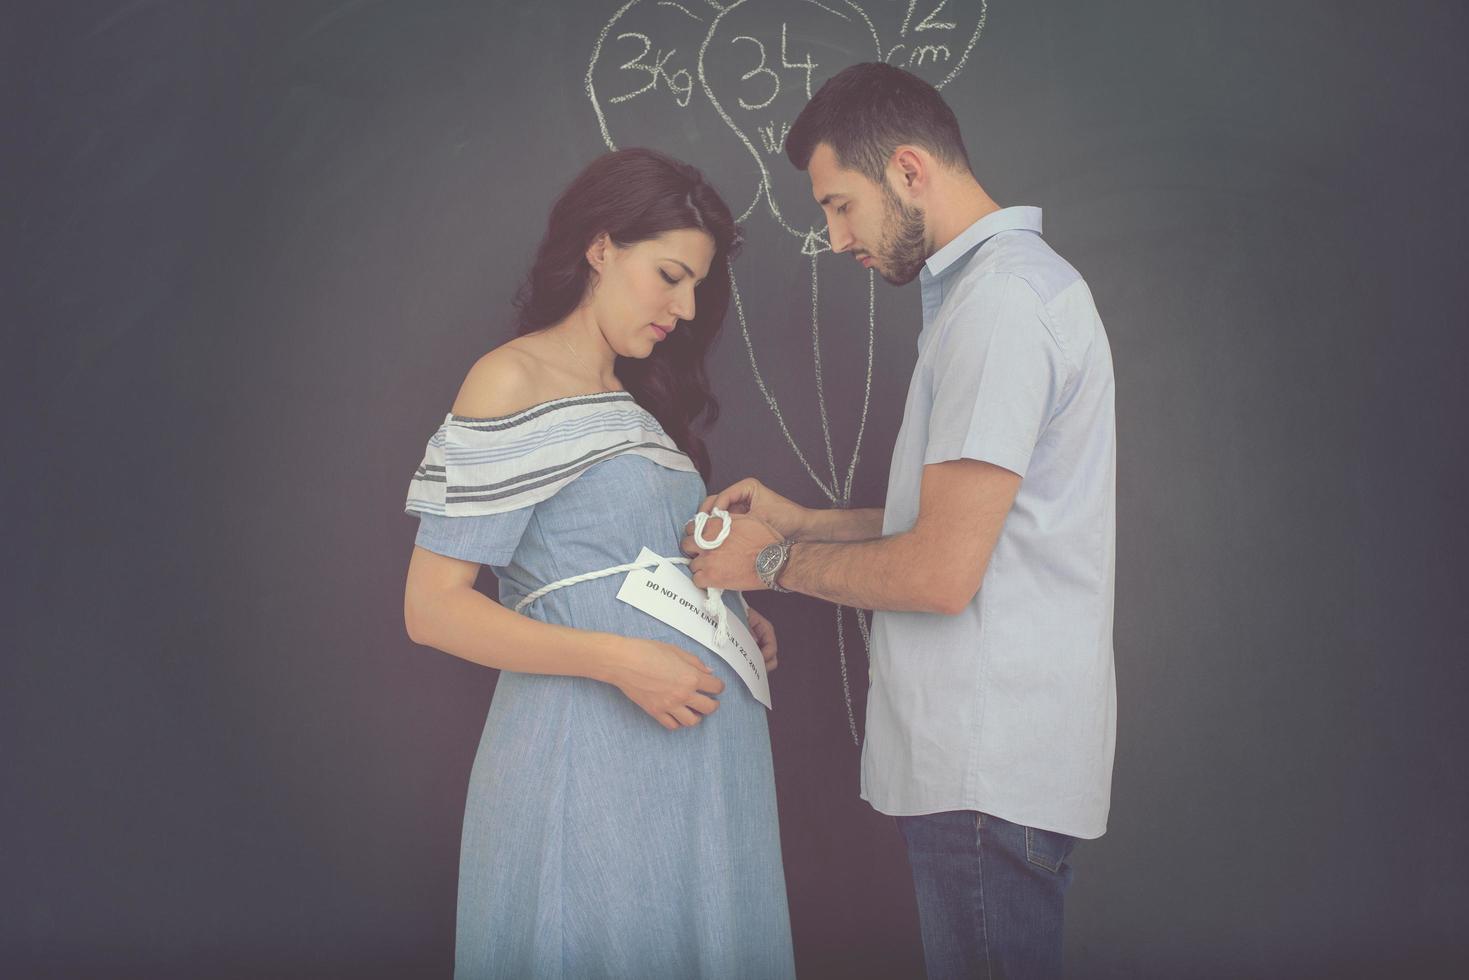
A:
<point x="256" y="247"/>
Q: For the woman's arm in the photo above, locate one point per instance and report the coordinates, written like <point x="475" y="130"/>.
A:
<point x="441" y="609"/>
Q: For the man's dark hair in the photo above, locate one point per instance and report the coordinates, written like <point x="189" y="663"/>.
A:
<point x="867" y="111"/>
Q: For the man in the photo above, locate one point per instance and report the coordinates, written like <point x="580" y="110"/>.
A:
<point x="990" y="716"/>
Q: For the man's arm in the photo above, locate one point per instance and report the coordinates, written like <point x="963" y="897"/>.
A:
<point x="995" y="382"/>
<point x="937" y="566"/>
<point x="750" y="496"/>
<point x="839" y="524"/>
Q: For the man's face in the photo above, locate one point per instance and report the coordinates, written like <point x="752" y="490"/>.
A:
<point x="869" y="220"/>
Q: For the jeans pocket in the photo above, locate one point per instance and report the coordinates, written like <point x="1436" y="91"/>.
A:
<point x="1047" y="849"/>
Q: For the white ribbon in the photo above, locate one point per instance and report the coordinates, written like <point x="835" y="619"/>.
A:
<point x="715" y="601"/>
<point x="714" y="598"/>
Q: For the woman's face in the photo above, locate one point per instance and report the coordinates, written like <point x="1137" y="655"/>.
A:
<point x="643" y="291"/>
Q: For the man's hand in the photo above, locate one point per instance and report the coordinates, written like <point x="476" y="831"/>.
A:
<point x="764" y="633"/>
<point x="732" y="564"/>
<point x="750" y="496"/>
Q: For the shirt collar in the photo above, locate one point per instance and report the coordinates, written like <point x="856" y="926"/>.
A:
<point x="1006" y="219"/>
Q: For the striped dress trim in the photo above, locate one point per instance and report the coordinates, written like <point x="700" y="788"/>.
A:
<point x="475" y="466"/>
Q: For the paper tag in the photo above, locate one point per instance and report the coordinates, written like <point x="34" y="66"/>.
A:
<point x="668" y="595"/>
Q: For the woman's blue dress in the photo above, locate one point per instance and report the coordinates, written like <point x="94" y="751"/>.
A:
<point x="596" y="843"/>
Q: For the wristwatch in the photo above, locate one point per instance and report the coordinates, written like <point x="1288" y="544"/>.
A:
<point x="769" y="563"/>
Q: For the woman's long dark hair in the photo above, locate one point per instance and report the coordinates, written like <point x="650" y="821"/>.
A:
<point x="635" y="195"/>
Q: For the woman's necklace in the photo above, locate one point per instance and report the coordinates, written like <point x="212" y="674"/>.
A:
<point x="565" y="343"/>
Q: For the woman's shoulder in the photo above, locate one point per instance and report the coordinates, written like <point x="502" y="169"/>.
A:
<point x="502" y="382"/>
<point x="516" y="435"/>
<point x="515" y="377"/>
<point x="516" y="383"/>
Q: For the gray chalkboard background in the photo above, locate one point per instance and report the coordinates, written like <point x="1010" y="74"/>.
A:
<point x="254" y="248"/>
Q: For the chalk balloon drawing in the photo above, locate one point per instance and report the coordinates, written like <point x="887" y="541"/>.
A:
<point x="718" y="85"/>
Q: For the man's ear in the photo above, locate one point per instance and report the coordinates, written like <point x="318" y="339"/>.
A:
<point x="908" y="168"/>
<point x="597" y="251"/>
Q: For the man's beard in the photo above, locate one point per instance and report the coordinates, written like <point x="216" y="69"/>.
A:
<point x="904" y="247"/>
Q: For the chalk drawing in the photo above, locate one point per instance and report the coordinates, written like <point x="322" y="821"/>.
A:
<point x="754" y="65"/>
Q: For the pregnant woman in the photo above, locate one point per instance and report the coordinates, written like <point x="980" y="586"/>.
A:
<point x="621" y="816"/>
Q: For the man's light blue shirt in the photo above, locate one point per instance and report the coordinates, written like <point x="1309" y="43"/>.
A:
<point x="1008" y="707"/>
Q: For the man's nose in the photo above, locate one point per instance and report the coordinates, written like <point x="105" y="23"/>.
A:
<point x="836" y="234"/>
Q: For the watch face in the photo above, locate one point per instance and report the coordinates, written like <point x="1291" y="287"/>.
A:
<point x="768" y="559"/>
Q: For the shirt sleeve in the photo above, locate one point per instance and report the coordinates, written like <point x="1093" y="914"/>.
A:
<point x="489" y="539"/>
<point x="998" y="375"/>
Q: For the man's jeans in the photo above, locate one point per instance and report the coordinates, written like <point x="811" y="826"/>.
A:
<point x="990" y="894"/>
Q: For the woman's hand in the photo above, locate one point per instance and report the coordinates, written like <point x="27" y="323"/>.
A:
<point x="764" y="632"/>
<point x="750" y="496"/>
<point x="672" y="685"/>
